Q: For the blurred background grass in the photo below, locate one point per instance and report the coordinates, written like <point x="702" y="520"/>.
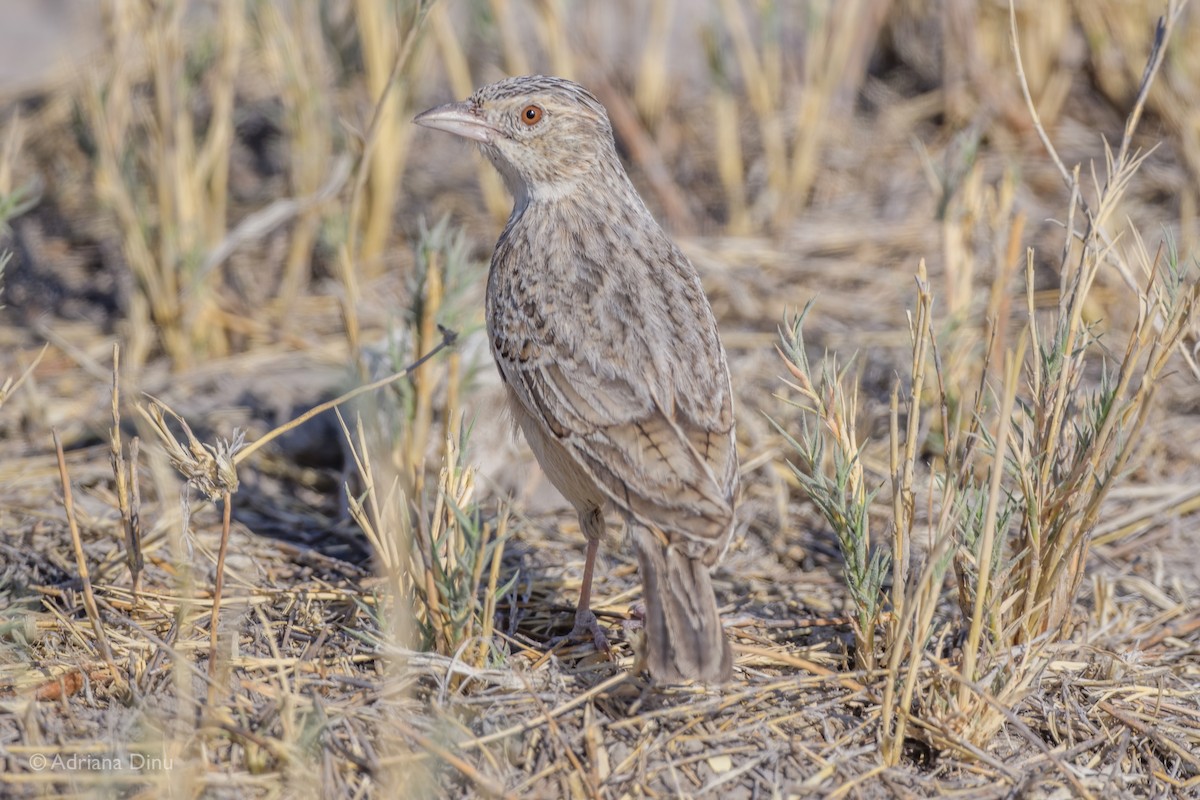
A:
<point x="191" y="153"/>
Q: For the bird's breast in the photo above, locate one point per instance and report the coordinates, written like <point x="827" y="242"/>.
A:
<point x="566" y="277"/>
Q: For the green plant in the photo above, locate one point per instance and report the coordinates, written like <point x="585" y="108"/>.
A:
<point x="828" y="431"/>
<point x="1019" y="487"/>
<point x="440" y="555"/>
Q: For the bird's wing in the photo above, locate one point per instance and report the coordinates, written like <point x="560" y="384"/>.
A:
<point x="643" y="406"/>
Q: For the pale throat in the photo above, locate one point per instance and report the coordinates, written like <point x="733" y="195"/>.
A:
<point x="576" y="187"/>
<point x="526" y="193"/>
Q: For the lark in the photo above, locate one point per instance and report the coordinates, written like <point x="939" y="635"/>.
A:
<point x="611" y="359"/>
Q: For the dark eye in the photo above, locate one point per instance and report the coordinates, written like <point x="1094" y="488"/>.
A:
<point x="531" y="115"/>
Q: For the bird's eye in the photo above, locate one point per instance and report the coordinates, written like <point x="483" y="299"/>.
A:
<point x="531" y="115"/>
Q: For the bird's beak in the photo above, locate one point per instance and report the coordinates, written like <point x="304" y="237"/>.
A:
<point x="458" y="118"/>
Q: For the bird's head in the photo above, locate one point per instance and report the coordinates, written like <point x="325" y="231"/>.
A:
<point x="546" y="136"/>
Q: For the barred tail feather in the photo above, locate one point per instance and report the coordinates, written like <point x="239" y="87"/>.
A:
<point x="684" y="637"/>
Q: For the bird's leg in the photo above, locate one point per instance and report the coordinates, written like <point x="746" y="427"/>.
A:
<point x="587" y="627"/>
<point x="585" y="621"/>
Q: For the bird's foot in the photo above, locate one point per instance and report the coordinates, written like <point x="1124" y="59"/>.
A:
<point x="587" y="629"/>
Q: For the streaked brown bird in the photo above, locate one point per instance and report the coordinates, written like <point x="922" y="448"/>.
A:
<point x="609" y="351"/>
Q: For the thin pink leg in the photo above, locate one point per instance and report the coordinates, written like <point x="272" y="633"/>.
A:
<point x="587" y="627"/>
<point x="589" y="564"/>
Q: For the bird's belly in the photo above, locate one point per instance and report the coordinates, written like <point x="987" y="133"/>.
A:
<point x="564" y="472"/>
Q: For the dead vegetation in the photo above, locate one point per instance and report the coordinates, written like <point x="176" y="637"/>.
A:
<point x="965" y="559"/>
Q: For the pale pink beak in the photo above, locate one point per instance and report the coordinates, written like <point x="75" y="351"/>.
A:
<point x="458" y="118"/>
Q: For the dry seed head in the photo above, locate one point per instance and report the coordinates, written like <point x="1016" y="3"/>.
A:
<point x="208" y="467"/>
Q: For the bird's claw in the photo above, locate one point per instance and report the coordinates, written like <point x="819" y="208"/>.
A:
<point x="587" y="628"/>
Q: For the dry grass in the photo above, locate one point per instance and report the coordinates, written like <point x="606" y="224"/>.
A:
<point x="259" y="548"/>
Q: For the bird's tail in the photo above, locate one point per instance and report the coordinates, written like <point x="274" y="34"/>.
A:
<point x="684" y="637"/>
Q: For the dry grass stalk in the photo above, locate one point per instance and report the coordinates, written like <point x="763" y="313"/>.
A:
<point x="214" y="660"/>
<point x="915" y="595"/>
<point x="466" y="551"/>
<point x="388" y="39"/>
<point x="429" y="298"/>
<point x="461" y="85"/>
<point x="993" y="529"/>
<point x="296" y="54"/>
<point x="125" y="478"/>
<point x="834" y="62"/>
<point x="10" y="385"/>
<point x="1116" y="31"/>
<point x="443" y="568"/>
<point x="89" y="597"/>
<point x="437" y="289"/>
<point x="212" y="469"/>
<point x="244" y="451"/>
<point x="457" y="552"/>
<point x="187" y="173"/>
<point x="652" y="92"/>
<point x="13" y="139"/>
<point x="382" y="516"/>
<point x="973" y="210"/>
<point x="1022" y="487"/>
<point x="406" y="421"/>
<point x="516" y="58"/>
<point x="760" y="76"/>
<point x="550" y="22"/>
<point x="730" y="160"/>
<point x="384" y="143"/>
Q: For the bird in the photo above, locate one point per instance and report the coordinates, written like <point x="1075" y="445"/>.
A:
<point x="611" y="359"/>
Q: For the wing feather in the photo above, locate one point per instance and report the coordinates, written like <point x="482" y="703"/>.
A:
<point x="646" y="410"/>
